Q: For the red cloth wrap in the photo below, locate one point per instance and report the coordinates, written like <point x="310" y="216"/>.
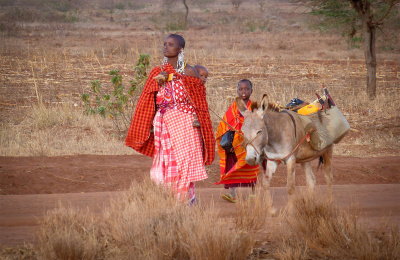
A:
<point x="139" y="136"/>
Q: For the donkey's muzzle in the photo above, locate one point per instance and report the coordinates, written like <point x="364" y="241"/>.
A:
<point x="252" y="157"/>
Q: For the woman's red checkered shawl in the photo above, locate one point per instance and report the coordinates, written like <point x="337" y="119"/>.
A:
<point x="139" y="136"/>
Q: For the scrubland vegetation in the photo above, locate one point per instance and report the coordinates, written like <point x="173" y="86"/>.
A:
<point x="52" y="50"/>
<point x="146" y="222"/>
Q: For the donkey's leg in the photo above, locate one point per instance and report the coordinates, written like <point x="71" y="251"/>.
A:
<point x="266" y="181"/>
<point x="327" y="156"/>
<point x="310" y="178"/>
<point x="290" y="185"/>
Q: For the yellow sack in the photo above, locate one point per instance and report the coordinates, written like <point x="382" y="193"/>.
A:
<point x="309" y="109"/>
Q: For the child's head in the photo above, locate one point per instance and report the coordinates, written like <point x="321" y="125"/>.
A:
<point x="245" y="88"/>
<point x="203" y="73"/>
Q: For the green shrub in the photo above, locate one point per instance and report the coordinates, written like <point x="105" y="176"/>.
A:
<point x="119" y="104"/>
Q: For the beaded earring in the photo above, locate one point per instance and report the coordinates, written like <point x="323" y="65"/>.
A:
<point x="180" y="68"/>
<point x="164" y="62"/>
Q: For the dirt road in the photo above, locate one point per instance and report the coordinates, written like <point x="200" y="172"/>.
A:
<point x="30" y="186"/>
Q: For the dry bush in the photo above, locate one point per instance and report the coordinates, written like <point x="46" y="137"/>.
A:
<point x="314" y="228"/>
<point x="252" y="212"/>
<point x="149" y="223"/>
<point x="68" y="233"/>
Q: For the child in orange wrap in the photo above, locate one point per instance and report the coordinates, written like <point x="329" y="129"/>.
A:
<point x="235" y="172"/>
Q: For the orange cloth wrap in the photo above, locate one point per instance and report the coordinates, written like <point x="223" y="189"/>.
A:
<point x="241" y="172"/>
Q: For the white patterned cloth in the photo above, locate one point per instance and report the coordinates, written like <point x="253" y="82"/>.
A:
<point x="178" y="156"/>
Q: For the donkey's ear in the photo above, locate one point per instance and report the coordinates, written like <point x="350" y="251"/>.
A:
<point x="241" y="105"/>
<point x="264" y="103"/>
<point x="254" y="106"/>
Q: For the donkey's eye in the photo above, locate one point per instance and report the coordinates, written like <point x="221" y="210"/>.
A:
<point x="259" y="132"/>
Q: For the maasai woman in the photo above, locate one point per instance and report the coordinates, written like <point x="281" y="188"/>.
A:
<point x="162" y="128"/>
<point x="235" y="172"/>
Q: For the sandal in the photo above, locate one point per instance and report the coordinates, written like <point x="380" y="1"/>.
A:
<point x="228" y="197"/>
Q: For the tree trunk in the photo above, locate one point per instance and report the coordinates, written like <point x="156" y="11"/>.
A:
<point x="363" y="8"/>
<point x="369" y="31"/>
<point x="187" y="12"/>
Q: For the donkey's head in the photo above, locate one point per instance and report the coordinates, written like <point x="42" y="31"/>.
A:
<point x="254" y="129"/>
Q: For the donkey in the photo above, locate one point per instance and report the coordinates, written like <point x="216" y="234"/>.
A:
<point x="279" y="136"/>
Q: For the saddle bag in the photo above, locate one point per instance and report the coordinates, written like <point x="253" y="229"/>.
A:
<point x="226" y="140"/>
<point x="331" y="127"/>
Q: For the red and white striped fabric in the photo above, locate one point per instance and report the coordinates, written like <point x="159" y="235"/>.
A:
<point x="186" y="143"/>
<point x="164" y="169"/>
<point x="178" y="156"/>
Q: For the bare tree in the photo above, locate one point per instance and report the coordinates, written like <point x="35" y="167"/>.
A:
<point x="369" y="26"/>
<point x="171" y="2"/>
<point x="236" y="4"/>
<point x="261" y="3"/>
<point x="187" y="12"/>
<point x="349" y="13"/>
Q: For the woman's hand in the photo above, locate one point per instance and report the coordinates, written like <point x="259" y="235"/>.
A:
<point x="161" y="78"/>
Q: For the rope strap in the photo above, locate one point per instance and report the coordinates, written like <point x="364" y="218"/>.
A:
<point x="233" y="129"/>
<point x="307" y="136"/>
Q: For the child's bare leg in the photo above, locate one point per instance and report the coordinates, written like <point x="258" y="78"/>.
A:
<point x="233" y="192"/>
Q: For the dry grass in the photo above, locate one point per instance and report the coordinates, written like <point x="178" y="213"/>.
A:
<point x="59" y="130"/>
<point x="70" y="234"/>
<point x="25" y="252"/>
<point x="375" y="125"/>
<point x="148" y="223"/>
<point x="314" y="228"/>
<point x="58" y="74"/>
<point x="252" y="211"/>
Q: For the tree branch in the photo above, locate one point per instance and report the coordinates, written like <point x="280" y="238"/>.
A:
<point x="394" y="2"/>
<point x="358" y="6"/>
<point x="187" y="11"/>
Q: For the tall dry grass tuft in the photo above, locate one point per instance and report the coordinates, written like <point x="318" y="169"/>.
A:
<point x="145" y="222"/>
<point x="389" y="237"/>
<point x="149" y="223"/>
<point x="68" y="233"/>
<point x="313" y="227"/>
<point x="252" y="211"/>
